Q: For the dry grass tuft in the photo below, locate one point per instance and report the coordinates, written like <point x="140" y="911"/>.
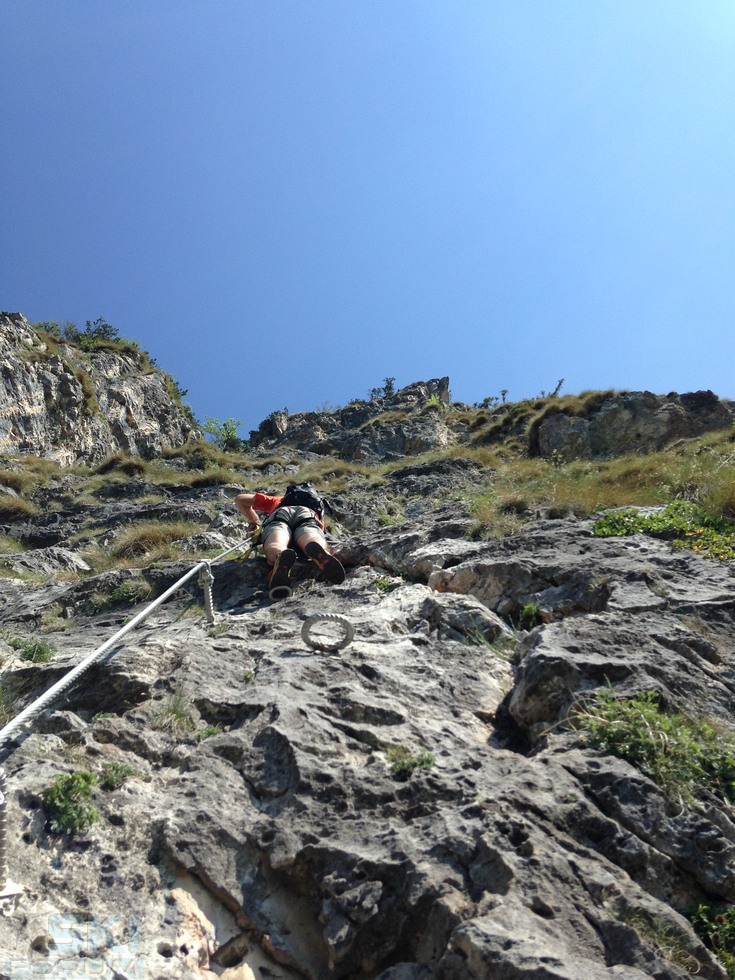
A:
<point x="122" y="463"/>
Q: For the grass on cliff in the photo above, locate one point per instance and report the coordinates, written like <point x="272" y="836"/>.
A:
<point x="700" y="471"/>
<point x="512" y="485"/>
<point x="32" y="650"/>
<point x="32" y="472"/>
<point x="508" y="490"/>
<point x="403" y="762"/>
<point x="685" y="524"/>
<point x="14" y="509"/>
<point x="174" y="716"/>
<point x="153" y="537"/>
<point x="683" y="755"/>
<point x="203" y="455"/>
<point x="663" y="938"/>
<point x="126" y="593"/>
<point x="716" y="927"/>
<point x="149" y="540"/>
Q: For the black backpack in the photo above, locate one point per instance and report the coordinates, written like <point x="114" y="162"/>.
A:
<point x="305" y="495"/>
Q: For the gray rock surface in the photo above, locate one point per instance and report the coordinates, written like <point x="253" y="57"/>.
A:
<point x="409" y="422"/>
<point x="71" y="406"/>
<point x="264" y="829"/>
<point x="421" y="417"/>
<point x="416" y="806"/>
<point x="630" y="422"/>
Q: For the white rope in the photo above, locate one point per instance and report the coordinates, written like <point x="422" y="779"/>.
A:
<point x="68" y="679"/>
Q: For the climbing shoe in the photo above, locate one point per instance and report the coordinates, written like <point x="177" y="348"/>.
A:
<point x="280" y="576"/>
<point x="332" y="569"/>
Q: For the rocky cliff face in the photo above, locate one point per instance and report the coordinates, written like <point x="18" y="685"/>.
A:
<point x="413" y="807"/>
<point x="422" y="417"/>
<point x="626" y="422"/>
<point x="58" y="401"/>
<point x="407" y="423"/>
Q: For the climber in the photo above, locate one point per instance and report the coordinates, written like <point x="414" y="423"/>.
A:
<point x="296" y="518"/>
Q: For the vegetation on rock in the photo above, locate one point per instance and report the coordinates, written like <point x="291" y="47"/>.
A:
<point x="33" y="650"/>
<point x="403" y="763"/>
<point x="475" y="581"/>
<point x="686" y="524"/>
<point x="68" y="803"/>
<point x="683" y="755"/>
<point x="717" y="928"/>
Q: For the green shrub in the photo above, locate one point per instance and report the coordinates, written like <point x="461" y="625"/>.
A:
<point x="114" y="774"/>
<point x="434" y="404"/>
<point x="86" y="339"/>
<point x="100" y="335"/>
<point x="68" y="803"/>
<point x="386" y="390"/>
<point x="224" y="434"/>
<point x="403" y="763"/>
<point x="177" y="394"/>
<point x="97" y="335"/>
<point x="207" y="732"/>
<point x="529" y="617"/>
<point x="682" y="755"/>
<point x="716" y="927"/>
<point x="385" y="583"/>
<point x="686" y="524"/>
<point x="34" y="651"/>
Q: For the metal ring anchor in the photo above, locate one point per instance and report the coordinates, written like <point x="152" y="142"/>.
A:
<point x="323" y="644"/>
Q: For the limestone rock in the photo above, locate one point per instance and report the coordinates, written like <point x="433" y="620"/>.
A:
<point x="416" y="806"/>
<point x="406" y="423"/>
<point x="71" y="406"/>
<point x="628" y="422"/>
<point x="363" y="813"/>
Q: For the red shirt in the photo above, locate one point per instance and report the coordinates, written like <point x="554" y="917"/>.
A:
<point x="266" y="504"/>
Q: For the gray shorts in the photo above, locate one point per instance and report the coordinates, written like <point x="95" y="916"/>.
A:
<point x="298" y="520"/>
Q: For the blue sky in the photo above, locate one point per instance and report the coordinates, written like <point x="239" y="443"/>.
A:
<point x="286" y="202"/>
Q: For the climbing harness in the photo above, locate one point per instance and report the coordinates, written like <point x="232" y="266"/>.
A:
<point x="254" y="542"/>
<point x="325" y="642"/>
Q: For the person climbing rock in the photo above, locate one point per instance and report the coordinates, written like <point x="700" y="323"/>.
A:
<point x="295" y="520"/>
